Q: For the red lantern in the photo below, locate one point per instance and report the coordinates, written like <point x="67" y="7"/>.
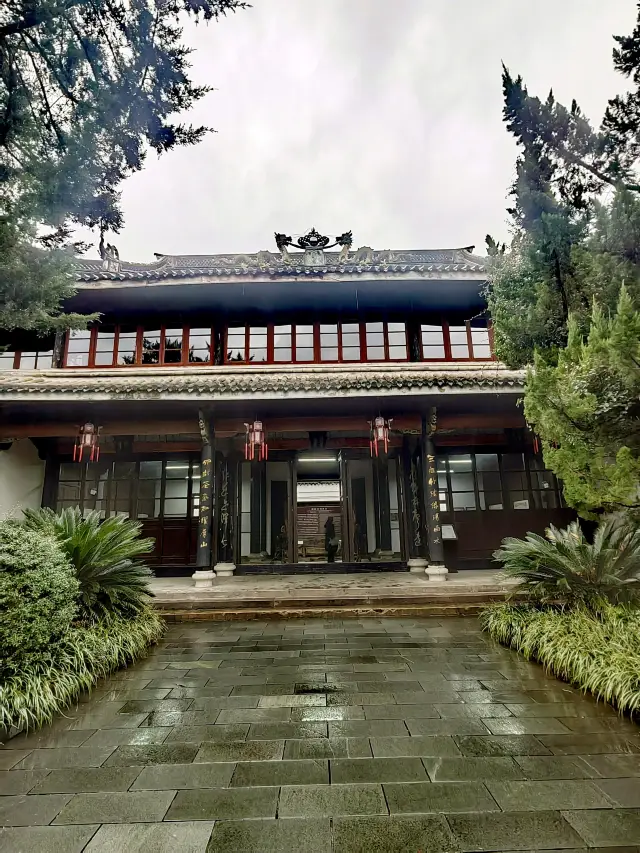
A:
<point x="88" y="439"/>
<point x="379" y="438"/>
<point x="255" y="445"/>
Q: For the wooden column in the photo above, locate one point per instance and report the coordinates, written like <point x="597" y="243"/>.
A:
<point x="226" y="512"/>
<point x="203" y="558"/>
<point x="431" y="497"/>
<point x="413" y="505"/>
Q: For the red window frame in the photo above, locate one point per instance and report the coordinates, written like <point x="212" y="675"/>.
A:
<point x="317" y="343"/>
<point x="139" y="337"/>
<point x="445" y="326"/>
<point x="18" y="355"/>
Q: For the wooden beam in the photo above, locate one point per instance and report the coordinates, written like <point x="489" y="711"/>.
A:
<point x="229" y="428"/>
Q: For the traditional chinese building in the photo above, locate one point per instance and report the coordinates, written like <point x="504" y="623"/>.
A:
<point x="315" y="408"/>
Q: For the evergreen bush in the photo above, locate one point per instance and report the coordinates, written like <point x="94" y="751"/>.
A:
<point x="38" y="595"/>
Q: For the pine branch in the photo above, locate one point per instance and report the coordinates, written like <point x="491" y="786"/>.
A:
<point x="37" y="16"/>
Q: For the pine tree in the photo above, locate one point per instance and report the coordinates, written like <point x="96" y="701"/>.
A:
<point x="87" y="88"/>
<point x="567" y="289"/>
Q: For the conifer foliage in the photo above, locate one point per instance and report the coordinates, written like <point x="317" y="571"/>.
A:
<point x="566" y="292"/>
<point x="87" y="88"/>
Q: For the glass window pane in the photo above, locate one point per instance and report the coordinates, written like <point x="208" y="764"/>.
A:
<point x="329" y="353"/>
<point x="236" y="344"/>
<point x="304" y="337"/>
<point x="69" y="492"/>
<point x="490" y="500"/>
<point x="486" y="462"/>
<point x="459" y="342"/>
<point x="395" y="327"/>
<point x="350" y="339"/>
<point x="172" y="346"/>
<point x="350" y="329"/>
<point x="257" y="343"/>
<point x="6" y="359"/>
<point x="460" y="463"/>
<point x="375" y="353"/>
<point x="304" y="354"/>
<point x="151" y="347"/>
<point x="175" y="507"/>
<point x="519" y="500"/>
<point x="282" y="354"/>
<point x="545" y="499"/>
<point x="45" y="360"/>
<point x="150" y="470"/>
<point x="432" y="342"/>
<point x="104" y="347"/>
<point x="397" y="338"/>
<point x="148" y="505"/>
<point x="461" y="482"/>
<point x="177" y="469"/>
<point x="375" y="334"/>
<point x="513" y="461"/>
<point x="78" y="348"/>
<point x="28" y="360"/>
<point x="463" y="501"/>
<point x="350" y="353"/>
<point x="70" y="471"/>
<point x="398" y="352"/>
<point x="124" y="470"/>
<point x="515" y="481"/>
<point x="127" y="345"/>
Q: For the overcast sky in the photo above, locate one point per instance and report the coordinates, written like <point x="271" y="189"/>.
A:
<point x="379" y="116"/>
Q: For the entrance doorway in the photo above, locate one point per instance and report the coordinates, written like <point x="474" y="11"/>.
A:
<point x="319" y="504"/>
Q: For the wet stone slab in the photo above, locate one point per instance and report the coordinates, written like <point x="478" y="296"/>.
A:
<point x="326" y="735"/>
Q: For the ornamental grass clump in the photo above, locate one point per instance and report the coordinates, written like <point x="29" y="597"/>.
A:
<point x="30" y="697"/>
<point x="597" y="652"/>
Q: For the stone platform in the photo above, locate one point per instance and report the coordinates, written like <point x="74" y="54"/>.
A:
<point x="400" y="593"/>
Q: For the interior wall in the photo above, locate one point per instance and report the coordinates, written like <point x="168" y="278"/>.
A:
<point x="21" y="479"/>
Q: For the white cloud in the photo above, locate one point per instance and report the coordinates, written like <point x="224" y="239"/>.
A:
<point x="380" y="117"/>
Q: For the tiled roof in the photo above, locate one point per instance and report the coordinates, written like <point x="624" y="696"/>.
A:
<point x="361" y="261"/>
<point x="228" y="381"/>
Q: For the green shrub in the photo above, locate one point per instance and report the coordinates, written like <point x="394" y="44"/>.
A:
<point x="565" y="568"/>
<point x="104" y="554"/>
<point x="38" y="594"/>
<point x="48" y="685"/>
<point x="598" y="652"/>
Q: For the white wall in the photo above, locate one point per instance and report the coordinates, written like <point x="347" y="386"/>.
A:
<point x="21" y="479"/>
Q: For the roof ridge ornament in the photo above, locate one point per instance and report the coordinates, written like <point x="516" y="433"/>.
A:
<point x="313" y="244"/>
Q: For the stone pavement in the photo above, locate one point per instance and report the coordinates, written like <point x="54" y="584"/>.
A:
<point x="336" y="736"/>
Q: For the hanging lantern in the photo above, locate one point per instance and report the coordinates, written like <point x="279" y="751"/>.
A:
<point x="87" y="440"/>
<point x="379" y="438"/>
<point x="255" y="445"/>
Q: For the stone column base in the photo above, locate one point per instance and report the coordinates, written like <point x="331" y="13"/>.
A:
<point x="224" y="570"/>
<point x="417" y="565"/>
<point x="203" y="578"/>
<point x="437" y="572"/>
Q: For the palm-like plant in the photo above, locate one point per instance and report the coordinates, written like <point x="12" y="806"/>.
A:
<point x="565" y="568"/>
<point x="104" y="554"/>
